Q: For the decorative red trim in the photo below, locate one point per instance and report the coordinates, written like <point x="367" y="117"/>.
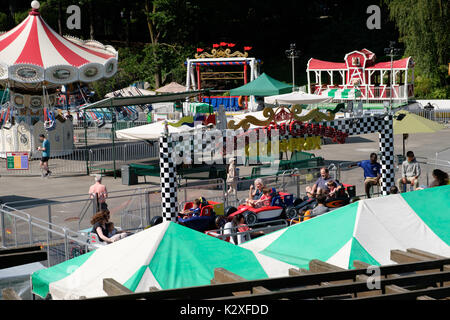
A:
<point x="31" y="52"/>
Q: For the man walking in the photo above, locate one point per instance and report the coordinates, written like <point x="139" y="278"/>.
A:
<point x="100" y="190"/>
<point x="372" y="172"/>
<point x="410" y="172"/>
<point x="45" y="155"/>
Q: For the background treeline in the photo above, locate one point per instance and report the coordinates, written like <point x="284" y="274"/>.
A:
<point x="154" y="38"/>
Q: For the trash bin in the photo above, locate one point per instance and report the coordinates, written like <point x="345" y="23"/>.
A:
<point x="129" y="177"/>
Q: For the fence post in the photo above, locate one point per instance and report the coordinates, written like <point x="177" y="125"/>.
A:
<point x="66" y="252"/>
<point x="95" y="208"/>
<point x="30" y="228"/>
<point x="147" y="206"/>
<point x="50" y="219"/>
<point x="3" y="228"/>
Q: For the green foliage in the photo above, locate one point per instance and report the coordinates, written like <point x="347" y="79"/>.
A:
<point x="3" y="21"/>
<point x="424" y="27"/>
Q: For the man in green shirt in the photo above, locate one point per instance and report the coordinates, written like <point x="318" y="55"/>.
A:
<point x="45" y="155"/>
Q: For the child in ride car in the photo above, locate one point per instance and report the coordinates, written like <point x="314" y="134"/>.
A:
<point x="264" y="201"/>
<point x="194" y="211"/>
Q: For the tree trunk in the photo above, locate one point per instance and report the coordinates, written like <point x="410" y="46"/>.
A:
<point x="91" y="19"/>
<point x="60" y="17"/>
<point x="153" y="39"/>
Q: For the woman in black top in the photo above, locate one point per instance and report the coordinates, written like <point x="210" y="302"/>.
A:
<point x="98" y="222"/>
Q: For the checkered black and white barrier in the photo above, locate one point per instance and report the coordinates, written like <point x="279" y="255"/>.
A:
<point x="383" y="124"/>
<point x="168" y="178"/>
<point x="194" y="145"/>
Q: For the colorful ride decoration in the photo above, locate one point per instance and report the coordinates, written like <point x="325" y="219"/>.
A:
<point x="221" y="60"/>
<point x="35" y="62"/>
<point x="359" y="77"/>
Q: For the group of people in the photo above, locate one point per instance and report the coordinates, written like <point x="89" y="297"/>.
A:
<point x="410" y="173"/>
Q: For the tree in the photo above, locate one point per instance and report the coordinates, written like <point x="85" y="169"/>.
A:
<point x="424" y="28"/>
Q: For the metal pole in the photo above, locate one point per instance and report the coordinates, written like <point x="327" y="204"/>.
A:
<point x="50" y="219"/>
<point x="3" y="228"/>
<point x="86" y="143"/>
<point x="293" y="74"/>
<point x="113" y="147"/>
<point x="390" y="99"/>
<point x="147" y="206"/>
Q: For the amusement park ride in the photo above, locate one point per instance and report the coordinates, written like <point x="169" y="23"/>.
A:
<point x="35" y="62"/>
<point x="219" y="67"/>
<point x="361" y="78"/>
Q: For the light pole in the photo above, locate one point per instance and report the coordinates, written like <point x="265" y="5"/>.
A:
<point x="391" y="51"/>
<point x="292" y="54"/>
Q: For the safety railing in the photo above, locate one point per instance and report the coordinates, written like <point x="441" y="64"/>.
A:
<point x="20" y="228"/>
<point x="434" y="115"/>
<point x="84" y="161"/>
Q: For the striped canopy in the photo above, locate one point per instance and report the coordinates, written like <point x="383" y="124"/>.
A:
<point x="366" y="230"/>
<point x="166" y="256"/>
<point x="32" y="53"/>
<point x="349" y="93"/>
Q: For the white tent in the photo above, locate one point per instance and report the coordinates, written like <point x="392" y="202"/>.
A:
<point x="297" y="97"/>
<point x="152" y="131"/>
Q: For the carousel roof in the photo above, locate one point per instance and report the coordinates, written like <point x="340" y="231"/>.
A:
<point x="33" y="52"/>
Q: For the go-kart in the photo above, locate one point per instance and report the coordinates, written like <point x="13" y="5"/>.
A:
<point x="341" y="199"/>
<point x="281" y="207"/>
<point x="207" y="218"/>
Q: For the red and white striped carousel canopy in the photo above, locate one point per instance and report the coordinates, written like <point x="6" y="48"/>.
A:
<point x="32" y="53"/>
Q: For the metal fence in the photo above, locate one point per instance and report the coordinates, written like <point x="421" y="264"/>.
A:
<point x="435" y="115"/>
<point x="20" y="228"/>
<point x="86" y="161"/>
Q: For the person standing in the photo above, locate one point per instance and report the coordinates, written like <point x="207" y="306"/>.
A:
<point x="100" y="190"/>
<point x="232" y="178"/>
<point x="45" y="155"/>
<point x="410" y="172"/>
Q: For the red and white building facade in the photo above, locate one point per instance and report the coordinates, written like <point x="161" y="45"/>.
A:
<point x="360" y="71"/>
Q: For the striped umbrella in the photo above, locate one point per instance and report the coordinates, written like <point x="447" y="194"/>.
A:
<point x="32" y="52"/>
<point x="166" y="256"/>
<point x="365" y="230"/>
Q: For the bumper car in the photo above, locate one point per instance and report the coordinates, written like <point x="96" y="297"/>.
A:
<point x="281" y="207"/>
<point x="205" y="221"/>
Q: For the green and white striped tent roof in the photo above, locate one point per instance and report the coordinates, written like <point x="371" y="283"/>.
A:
<point x="166" y="256"/>
<point x="350" y="93"/>
<point x="365" y="230"/>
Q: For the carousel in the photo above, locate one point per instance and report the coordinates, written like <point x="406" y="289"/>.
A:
<point x="35" y="61"/>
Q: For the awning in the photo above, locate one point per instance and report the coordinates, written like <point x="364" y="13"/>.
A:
<point x="142" y="100"/>
<point x="262" y="86"/>
<point x="166" y="256"/>
<point x="130" y="92"/>
<point x="296" y="98"/>
<point x="366" y="230"/>
<point x="350" y="93"/>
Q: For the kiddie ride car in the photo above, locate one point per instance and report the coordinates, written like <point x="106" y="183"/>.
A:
<point x="303" y="206"/>
<point x="209" y="212"/>
<point x="281" y="207"/>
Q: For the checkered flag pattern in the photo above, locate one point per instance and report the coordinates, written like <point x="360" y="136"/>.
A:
<point x="370" y="124"/>
<point x="168" y="179"/>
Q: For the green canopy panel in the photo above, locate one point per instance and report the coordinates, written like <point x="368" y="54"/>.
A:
<point x="165" y="256"/>
<point x="262" y="86"/>
<point x="366" y="230"/>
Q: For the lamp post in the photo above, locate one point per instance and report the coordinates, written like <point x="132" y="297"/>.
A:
<point x="292" y="54"/>
<point x="391" y="51"/>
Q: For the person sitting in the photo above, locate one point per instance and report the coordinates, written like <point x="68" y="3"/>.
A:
<point x="194" y="211"/>
<point x="320" y="186"/>
<point x="372" y="172"/>
<point x="335" y="190"/>
<point x="244" y="232"/>
<point x="264" y="201"/>
<point x="393" y="190"/>
<point x="440" y="178"/>
<point x="410" y="172"/>
<point x="98" y="222"/>
<point x="320" y="208"/>
<point x="256" y="192"/>
<point x="112" y="231"/>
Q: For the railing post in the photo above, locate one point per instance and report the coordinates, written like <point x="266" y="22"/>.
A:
<point x="2" y="216"/>
<point x="50" y="219"/>
<point x="147" y="207"/>
<point x="30" y="228"/>
<point x="95" y="208"/>
<point x="66" y="251"/>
